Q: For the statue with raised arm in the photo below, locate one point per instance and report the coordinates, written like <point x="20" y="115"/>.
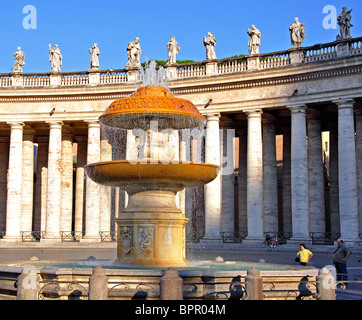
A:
<point x="209" y="43"/>
<point x="254" y="41"/>
<point x="19" y="60"/>
<point x="94" y="62"/>
<point x="55" y="58"/>
<point x="134" y="53"/>
<point x="173" y="49"/>
<point x="344" y="22"/>
<point x="297" y="33"/>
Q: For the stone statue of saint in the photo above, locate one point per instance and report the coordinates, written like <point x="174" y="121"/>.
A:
<point x="254" y="41"/>
<point x="297" y="33"/>
<point x="94" y="62"/>
<point x="19" y="60"/>
<point x="133" y="53"/>
<point x="173" y="49"/>
<point x="209" y="43"/>
<point x="344" y="22"/>
<point x="55" y="57"/>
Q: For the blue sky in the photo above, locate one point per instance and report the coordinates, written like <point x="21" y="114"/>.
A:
<point x="76" y="24"/>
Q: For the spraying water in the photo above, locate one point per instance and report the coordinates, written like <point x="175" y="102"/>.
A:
<point x="150" y="76"/>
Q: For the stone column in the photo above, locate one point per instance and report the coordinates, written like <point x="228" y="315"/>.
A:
<point x="27" y="180"/>
<point x="242" y="180"/>
<point x="40" y="201"/>
<point x="66" y="214"/>
<point x="105" y="191"/>
<point x="212" y="190"/>
<point x="286" y="180"/>
<point x="15" y="171"/>
<point x="52" y="223"/>
<point x="227" y="176"/>
<point x="80" y="182"/>
<point x="348" y="203"/>
<point x="92" y="201"/>
<point x="4" y="162"/>
<point x="299" y="175"/>
<point x="270" y="186"/>
<point x="359" y="164"/>
<point x="255" y="176"/>
<point x="333" y="177"/>
<point x="317" y="222"/>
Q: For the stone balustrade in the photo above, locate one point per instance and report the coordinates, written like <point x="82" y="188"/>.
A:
<point x="316" y="53"/>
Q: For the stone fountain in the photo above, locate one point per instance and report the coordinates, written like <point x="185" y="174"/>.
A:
<point x="151" y="229"/>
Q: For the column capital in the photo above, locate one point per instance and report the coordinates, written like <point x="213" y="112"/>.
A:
<point x="16" y="124"/>
<point x="298" y="108"/>
<point x="253" y="112"/>
<point x="55" y="124"/>
<point x="344" y="103"/>
<point x="212" y="116"/>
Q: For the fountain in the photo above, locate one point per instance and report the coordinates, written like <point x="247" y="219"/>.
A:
<point x="151" y="229"/>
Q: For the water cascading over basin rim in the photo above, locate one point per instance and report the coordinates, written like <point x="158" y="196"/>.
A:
<point x="152" y="103"/>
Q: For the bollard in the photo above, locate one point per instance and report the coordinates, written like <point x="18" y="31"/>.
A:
<point x="28" y="284"/>
<point x="171" y="285"/>
<point x="98" y="285"/>
<point x="254" y="285"/>
<point x="326" y="285"/>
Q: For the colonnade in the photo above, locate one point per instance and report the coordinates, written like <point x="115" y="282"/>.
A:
<point x="58" y="196"/>
<point x="303" y="206"/>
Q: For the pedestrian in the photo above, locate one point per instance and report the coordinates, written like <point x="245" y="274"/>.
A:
<point x="304" y="255"/>
<point x="340" y="256"/>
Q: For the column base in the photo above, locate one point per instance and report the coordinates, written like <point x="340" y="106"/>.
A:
<point x="11" y="239"/>
<point x="50" y="239"/>
<point x="253" y="241"/>
<point x="88" y="239"/>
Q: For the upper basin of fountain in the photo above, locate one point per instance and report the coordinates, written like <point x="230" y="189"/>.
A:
<point x="151" y="103"/>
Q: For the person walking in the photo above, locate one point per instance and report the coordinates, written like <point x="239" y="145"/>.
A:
<point x="304" y="255"/>
<point x="340" y="256"/>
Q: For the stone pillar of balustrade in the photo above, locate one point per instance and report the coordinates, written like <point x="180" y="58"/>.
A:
<point x="317" y="221"/>
<point x="299" y="175"/>
<point x="94" y="77"/>
<point x="55" y="78"/>
<point x="253" y="61"/>
<point x="347" y="170"/>
<point x="296" y="55"/>
<point x="172" y="70"/>
<point x="53" y="205"/>
<point x="212" y="190"/>
<point x="92" y="201"/>
<point x="211" y="67"/>
<point x="15" y="172"/>
<point x="27" y="180"/>
<point x="4" y="162"/>
<point x="17" y="79"/>
<point x="270" y="181"/>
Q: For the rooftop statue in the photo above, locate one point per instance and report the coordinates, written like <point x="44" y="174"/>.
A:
<point x="134" y="53"/>
<point x="344" y="22"/>
<point x="209" y="43"/>
<point x="19" y="60"/>
<point x="254" y="41"/>
<point x="173" y="49"/>
<point x="55" y="58"/>
<point x="297" y="33"/>
<point x="94" y="62"/>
